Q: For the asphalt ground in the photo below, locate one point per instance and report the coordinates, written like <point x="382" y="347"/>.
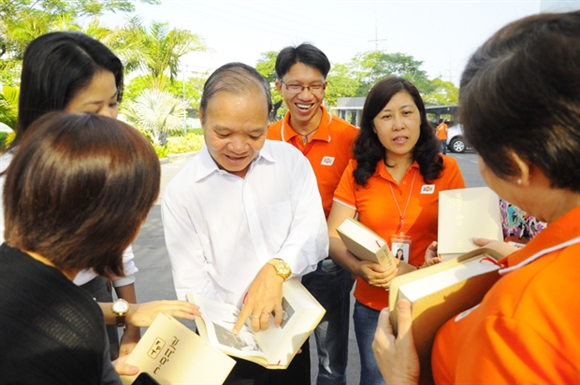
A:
<point x="154" y="280"/>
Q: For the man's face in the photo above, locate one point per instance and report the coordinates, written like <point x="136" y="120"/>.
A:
<point x="303" y="104"/>
<point x="235" y="129"/>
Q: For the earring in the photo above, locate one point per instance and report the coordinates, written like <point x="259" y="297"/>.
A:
<point x="519" y="180"/>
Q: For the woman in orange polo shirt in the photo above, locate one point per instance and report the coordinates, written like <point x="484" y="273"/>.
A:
<point x="522" y="115"/>
<point x="393" y="185"/>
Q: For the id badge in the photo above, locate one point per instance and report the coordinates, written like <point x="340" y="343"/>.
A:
<point x="401" y="247"/>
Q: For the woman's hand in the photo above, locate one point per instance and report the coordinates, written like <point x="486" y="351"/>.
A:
<point x="503" y="248"/>
<point x="376" y="275"/>
<point x="431" y="256"/>
<point x="143" y="314"/>
<point x="397" y="357"/>
<point x="129" y="339"/>
<point x="124" y="369"/>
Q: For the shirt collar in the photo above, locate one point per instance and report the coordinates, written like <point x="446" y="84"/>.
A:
<point x="382" y="171"/>
<point x="208" y="166"/>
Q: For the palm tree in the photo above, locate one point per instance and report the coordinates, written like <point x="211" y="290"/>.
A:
<point x="157" y="51"/>
<point x="155" y="112"/>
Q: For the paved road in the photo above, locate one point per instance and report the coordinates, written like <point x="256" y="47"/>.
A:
<point x="154" y="280"/>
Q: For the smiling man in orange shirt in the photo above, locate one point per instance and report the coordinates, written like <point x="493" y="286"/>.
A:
<point x="326" y="141"/>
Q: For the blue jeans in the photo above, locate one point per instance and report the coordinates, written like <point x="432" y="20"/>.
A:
<point x="330" y="285"/>
<point x="444" y="146"/>
<point x="365" y="325"/>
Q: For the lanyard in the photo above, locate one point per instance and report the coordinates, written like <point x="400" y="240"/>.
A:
<point x="306" y="149"/>
<point x="402" y="214"/>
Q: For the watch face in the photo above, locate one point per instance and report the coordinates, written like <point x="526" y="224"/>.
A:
<point x="283" y="268"/>
<point x="120" y="307"/>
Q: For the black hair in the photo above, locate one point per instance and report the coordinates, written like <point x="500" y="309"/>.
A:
<point x="368" y="150"/>
<point x="55" y="67"/>
<point x="520" y="92"/>
<point x="305" y="53"/>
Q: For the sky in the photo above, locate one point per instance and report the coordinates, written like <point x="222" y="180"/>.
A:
<point x="441" y="34"/>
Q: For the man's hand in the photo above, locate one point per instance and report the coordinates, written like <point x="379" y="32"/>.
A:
<point x="397" y="357"/>
<point x="264" y="298"/>
<point x="376" y="275"/>
<point x="143" y="314"/>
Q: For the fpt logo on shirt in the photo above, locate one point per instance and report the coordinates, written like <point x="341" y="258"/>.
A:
<point x="428" y="189"/>
<point x="327" y="161"/>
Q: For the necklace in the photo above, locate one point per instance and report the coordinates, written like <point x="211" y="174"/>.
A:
<point x="402" y="213"/>
<point x="305" y="137"/>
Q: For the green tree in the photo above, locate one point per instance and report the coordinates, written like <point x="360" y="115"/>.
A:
<point x="444" y="93"/>
<point x="156" y="51"/>
<point x="370" y="67"/>
<point x="155" y="112"/>
<point x="9" y="106"/>
<point x="191" y="91"/>
<point x="23" y="20"/>
<point x="266" y="66"/>
<point x="341" y="84"/>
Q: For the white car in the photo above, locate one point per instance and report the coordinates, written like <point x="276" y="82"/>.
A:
<point x="455" y="141"/>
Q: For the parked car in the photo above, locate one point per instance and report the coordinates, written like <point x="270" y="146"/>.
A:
<point x="455" y="141"/>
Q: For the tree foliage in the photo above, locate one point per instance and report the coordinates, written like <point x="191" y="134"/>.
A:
<point x="156" y="51"/>
<point x="266" y="66"/>
<point x="444" y="93"/>
<point x="24" y="20"/>
<point x="9" y="106"/>
<point x="155" y="112"/>
<point x="357" y="77"/>
<point x="341" y="84"/>
<point x="370" y="67"/>
<point x="189" y="93"/>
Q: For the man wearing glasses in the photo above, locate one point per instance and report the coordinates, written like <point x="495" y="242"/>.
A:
<point x="326" y="141"/>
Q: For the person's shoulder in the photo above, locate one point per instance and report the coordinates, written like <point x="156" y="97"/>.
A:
<point x="186" y="175"/>
<point x="449" y="161"/>
<point x="275" y="125"/>
<point x="274" y="131"/>
<point x="341" y="126"/>
<point x="283" y="154"/>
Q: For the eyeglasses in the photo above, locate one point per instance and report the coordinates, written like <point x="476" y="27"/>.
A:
<point x="296" y="88"/>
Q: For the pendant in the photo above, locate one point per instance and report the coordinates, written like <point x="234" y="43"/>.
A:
<point x="305" y="140"/>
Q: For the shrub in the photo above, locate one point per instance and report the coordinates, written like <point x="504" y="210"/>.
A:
<point x="179" y="145"/>
<point x="161" y="151"/>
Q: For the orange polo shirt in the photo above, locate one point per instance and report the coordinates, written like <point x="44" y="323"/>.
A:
<point x="377" y="210"/>
<point x="442" y="131"/>
<point x="527" y="328"/>
<point x="329" y="154"/>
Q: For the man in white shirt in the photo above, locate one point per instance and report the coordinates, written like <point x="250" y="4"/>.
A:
<point x="244" y="214"/>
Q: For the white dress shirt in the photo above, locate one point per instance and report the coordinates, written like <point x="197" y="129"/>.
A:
<point x="83" y="276"/>
<point x="221" y="229"/>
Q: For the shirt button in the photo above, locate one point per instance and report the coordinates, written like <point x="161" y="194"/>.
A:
<point x="405" y="182"/>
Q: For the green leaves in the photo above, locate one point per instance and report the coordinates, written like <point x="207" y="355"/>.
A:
<point x="357" y="77"/>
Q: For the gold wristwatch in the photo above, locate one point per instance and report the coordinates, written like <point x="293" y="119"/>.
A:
<point x="120" y="307"/>
<point x="282" y="268"/>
